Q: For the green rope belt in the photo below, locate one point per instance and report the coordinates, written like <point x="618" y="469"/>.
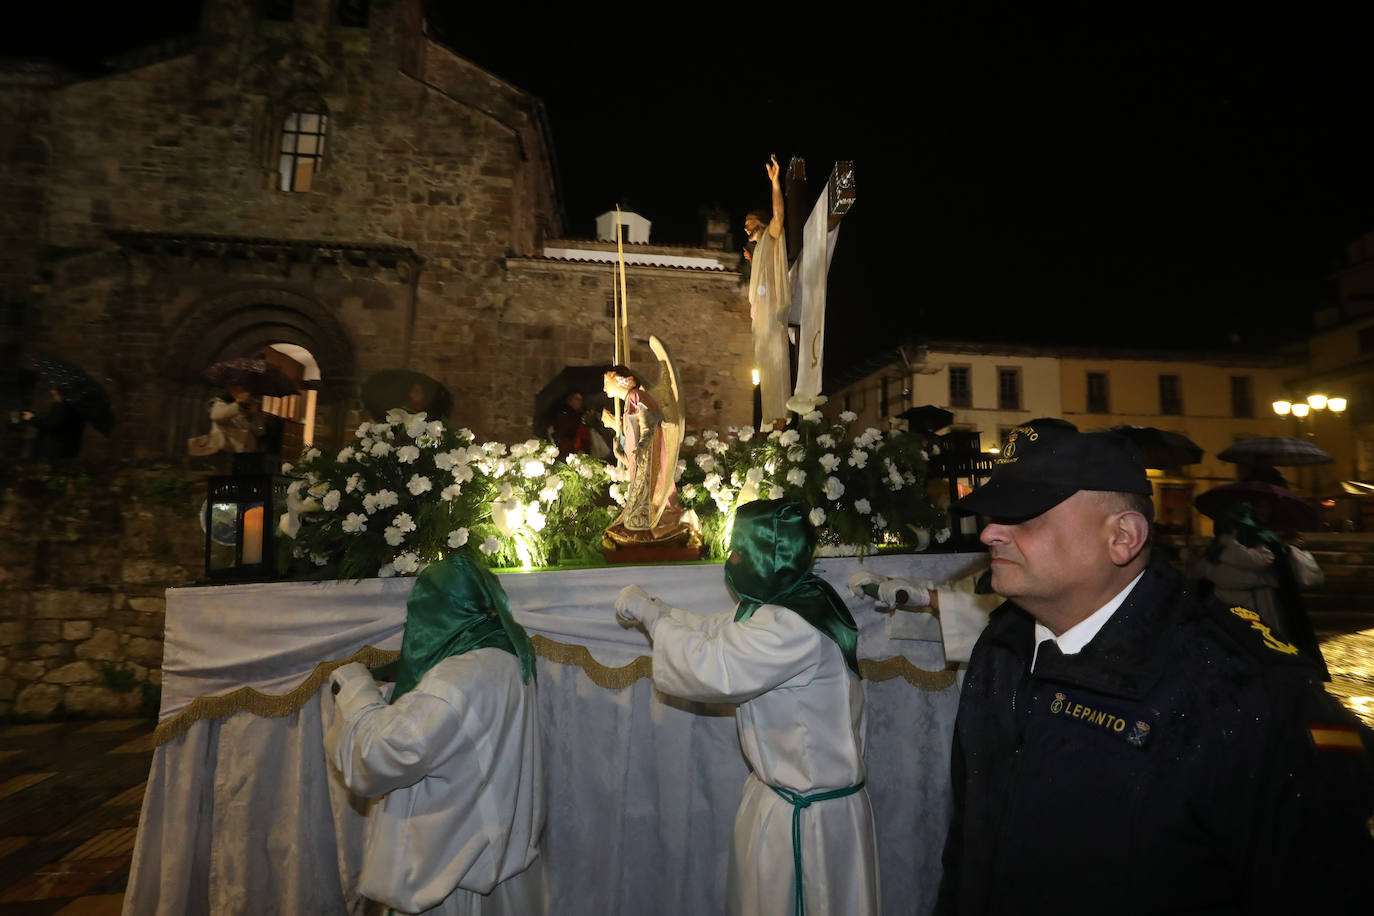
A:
<point x="798" y="802"/>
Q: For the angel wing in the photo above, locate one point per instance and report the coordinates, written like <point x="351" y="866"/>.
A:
<point x="667" y="394"/>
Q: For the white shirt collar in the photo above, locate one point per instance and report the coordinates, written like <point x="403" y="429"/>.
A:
<point x="1072" y="640"/>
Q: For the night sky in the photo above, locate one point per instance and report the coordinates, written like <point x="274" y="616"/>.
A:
<point x="1125" y="177"/>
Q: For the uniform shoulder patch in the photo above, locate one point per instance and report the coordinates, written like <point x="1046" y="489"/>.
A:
<point x="1270" y="641"/>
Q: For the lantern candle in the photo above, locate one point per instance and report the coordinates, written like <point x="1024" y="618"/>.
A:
<point x="252" y="535"/>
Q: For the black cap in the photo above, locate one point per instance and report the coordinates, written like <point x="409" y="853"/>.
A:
<point x="1046" y="461"/>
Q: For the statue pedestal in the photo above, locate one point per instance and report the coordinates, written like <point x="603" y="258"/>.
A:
<point x="652" y="554"/>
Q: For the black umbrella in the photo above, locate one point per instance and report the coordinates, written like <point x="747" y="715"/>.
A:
<point x="927" y="418"/>
<point x="256" y="376"/>
<point x="1159" y="447"/>
<point x="84" y="394"/>
<point x="1275" y="450"/>
<point x="586" y="380"/>
<point x="1282" y="508"/>
<point x="398" y="388"/>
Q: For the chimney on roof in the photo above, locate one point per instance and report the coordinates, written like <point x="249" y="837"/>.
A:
<point x="635" y="231"/>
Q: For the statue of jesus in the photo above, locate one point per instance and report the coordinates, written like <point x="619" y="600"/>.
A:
<point x="770" y="299"/>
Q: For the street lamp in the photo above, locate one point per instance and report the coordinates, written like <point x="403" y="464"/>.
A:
<point x="1314" y="401"/>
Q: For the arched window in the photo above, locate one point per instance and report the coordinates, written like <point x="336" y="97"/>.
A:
<point x="301" y="149"/>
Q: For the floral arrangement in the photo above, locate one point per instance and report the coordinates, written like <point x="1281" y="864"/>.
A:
<point x="409" y="491"/>
<point x="867" y="492"/>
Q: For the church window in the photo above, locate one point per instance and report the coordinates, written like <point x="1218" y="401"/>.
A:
<point x="1170" y="395"/>
<point x="353" y="14"/>
<point x="1008" y="389"/>
<point x="1097" y="393"/>
<point x="275" y="10"/>
<point x="302" y="149"/>
<point x="960" y="391"/>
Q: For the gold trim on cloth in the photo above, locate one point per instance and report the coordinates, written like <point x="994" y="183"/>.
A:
<point x="246" y="699"/>
<point x="885" y="669"/>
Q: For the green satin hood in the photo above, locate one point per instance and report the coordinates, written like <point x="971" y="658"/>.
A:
<point x="456" y="606"/>
<point x="771" y="548"/>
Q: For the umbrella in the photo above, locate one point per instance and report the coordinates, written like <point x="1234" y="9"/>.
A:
<point x="1275" y="450"/>
<point x="393" y="388"/>
<point x="584" y="379"/>
<point x="84" y="394"/>
<point x="256" y="376"/>
<point x="926" y="418"/>
<point x="1159" y="447"/>
<point x="1275" y="506"/>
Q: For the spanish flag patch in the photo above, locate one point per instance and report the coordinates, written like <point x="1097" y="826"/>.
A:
<point x="1340" y="739"/>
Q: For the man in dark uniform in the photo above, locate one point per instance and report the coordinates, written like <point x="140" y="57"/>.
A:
<point x="1121" y="747"/>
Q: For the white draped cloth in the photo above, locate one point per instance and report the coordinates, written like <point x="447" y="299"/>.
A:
<point x="801" y="726"/>
<point x="457" y="764"/>
<point x="770" y="300"/>
<point x="241" y="817"/>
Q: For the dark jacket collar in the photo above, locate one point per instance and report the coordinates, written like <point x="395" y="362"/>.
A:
<point x="1125" y="658"/>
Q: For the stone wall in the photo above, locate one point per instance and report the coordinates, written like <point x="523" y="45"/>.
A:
<point x="87" y="551"/>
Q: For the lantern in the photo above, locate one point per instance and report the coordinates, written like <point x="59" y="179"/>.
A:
<point x="240" y="528"/>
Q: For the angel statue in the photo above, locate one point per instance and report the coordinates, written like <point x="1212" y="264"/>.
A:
<point x="647" y="439"/>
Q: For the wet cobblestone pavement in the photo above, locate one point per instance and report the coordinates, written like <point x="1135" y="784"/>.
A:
<point x="1350" y="659"/>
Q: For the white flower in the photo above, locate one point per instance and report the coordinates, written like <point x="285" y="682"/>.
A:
<point x="934" y="449"/>
<point x="689" y="441"/>
<point x="386" y="499"/>
<point x="709" y="434"/>
<point x="415" y="426"/>
<point x="719" y="446"/>
<point x="362" y="431"/>
<point x="451" y="492"/>
<point x="689" y="491"/>
<point x="310" y="454"/>
<point x="379" y="449"/>
<point x="386" y="572"/>
<point x="507" y="515"/>
<point x="457" y="537"/>
<point x="858" y="457"/>
<point x="465" y="434"/>
<point x="586" y="470"/>
<point x="724" y="499"/>
<point x="407" y="453"/>
<point x="531" y="446"/>
<point x="712" y="482"/>
<point x="925" y="456"/>
<point x="879" y="520"/>
<point x="862" y="506"/>
<point x="825" y="440"/>
<point x="434" y="429"/>
<point x="406" y="563"/>
<point x="551" y="453"/>
<point x="775" y="434"/>
<point x="735" y="479"/>
<point x="848" y="416"/>
<point x="796" y="477"/>
<point x="812" y="417"/>
<point x="548" y="495"/>
<point x="534" y="519"/>
<point x="319" y="560"/>
<point x="796" y="455"/>
<point x="816" y="517"/>
<point x="331" y="500"/>
<point x="490" y="545"/>
<point x="319" y="489"/>
<point x="445" y="460"/>
<point x="553" y="482"/>
<point x="394" y="536"/>
<point x="678" y="469"/>
<point x="829" y="461"/>
<point x="518" y="450"/>
<point x="775" y="492"/>
<point x="616" y="495"/>
<point x="942" y="535"/>
<point x="462" y="473"/>
<point x="833" y="488"/>
<point x="894" y="480"/>
<point x="506" y="492"/>
<point x="789" y="438"/>
<point x="706" y="462"/>
<point x="355" y="523"/>
<point x="345" y="454"/>
<point x="418" y="485"/>
<point x="403" y="522"/>
<point x="379" y="430"/>
<point x="493" y="449"/>
<point x="287" y="467"/>
<point x="533" y="468"/>
<point x="754" y="475"/>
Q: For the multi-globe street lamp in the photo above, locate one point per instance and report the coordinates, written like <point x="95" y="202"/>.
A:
<point x="1312" y="402"/>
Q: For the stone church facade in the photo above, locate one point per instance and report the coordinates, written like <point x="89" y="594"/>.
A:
<point x="293" y="175"/>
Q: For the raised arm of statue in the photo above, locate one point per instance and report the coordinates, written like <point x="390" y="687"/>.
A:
<point x="775" y="224"/>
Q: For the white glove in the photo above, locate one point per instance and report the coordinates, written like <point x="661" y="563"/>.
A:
<point x="916" y="595"/>
<point x="860" y="579"/>
<point x="634" y="606"/>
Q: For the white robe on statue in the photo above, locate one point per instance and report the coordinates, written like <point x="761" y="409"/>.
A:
<point x="457" y="760"/>
<point x="801" y="726"/>
<point x="770" y="300"/>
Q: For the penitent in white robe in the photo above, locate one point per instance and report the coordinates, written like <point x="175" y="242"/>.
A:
<point x="801" y="726"/>
<point x="457" y="760"/>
